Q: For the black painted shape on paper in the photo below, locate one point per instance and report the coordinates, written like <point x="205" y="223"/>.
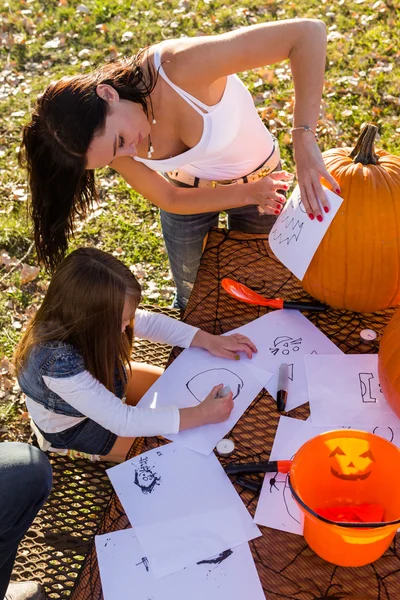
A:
<point x="217" y="560"/>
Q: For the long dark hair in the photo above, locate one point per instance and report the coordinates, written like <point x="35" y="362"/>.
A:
<point x="54" y="145"/>
<point x="83" y="306"/>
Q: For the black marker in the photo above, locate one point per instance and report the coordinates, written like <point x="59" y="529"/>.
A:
<point x="283" y="381"/>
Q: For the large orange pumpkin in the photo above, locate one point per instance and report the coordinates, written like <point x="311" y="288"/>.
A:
<point x="357" y="265"/>
<point x="389" y="363"/>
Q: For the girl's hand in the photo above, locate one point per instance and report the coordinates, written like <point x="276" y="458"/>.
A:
<point x="265" y="192"/>
<point x="225" y="346"/>
<point x="311" y="169"/>
<point x="216" y="410"/>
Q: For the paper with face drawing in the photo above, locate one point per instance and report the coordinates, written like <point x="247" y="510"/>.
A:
<point x="276" y="507"/>
<point x="191" y="378"/>
<point x="285" y="336"/>
<point x="182" y="506"/>
<point x="306" y="431"/>
<point x="294" y="238"/>
<point x="345" y="390"/>
<point x="123" y="568"/>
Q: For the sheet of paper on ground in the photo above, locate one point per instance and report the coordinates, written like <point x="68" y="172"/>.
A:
<point x="295" y="238"/>
<point x="276" y="507"/>
<point x="182" y="505"/>
<point x="345" y="390"/>
<point x="126" y="573"/>
<point x="191" y="378"/>
<point x="286" y="336"/>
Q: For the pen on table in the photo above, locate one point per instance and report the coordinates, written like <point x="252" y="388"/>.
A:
<point x="283" y="381"/>
<point x="279" y="303"/>
<point x="273" y="466"/>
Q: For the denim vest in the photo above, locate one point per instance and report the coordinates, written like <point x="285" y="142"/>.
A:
<point x="56" y="359"/>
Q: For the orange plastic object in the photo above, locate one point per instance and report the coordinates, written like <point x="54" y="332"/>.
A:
<point x="354" y="468"/>
<point x="245" y="294"/>
<point x="362" y="513"/>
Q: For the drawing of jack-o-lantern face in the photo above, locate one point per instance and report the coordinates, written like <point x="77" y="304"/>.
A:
<point x="352" y="458"/>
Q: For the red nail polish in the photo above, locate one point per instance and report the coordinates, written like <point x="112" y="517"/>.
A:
<point x="326" y="209"/>
<point x="277" y="212"/>
<point x="338" y="191"/>
<point x="319" y="218"/>
<point x="311" y="216"/>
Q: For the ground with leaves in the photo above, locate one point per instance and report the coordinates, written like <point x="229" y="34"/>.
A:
<point x="40" y="41"/>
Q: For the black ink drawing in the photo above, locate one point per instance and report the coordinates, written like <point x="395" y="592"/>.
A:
<point x="144" y="562"/>
<point x="289" y="226"/>
<point x="216" y="560"/>
<point x="367" y="393"/>
<point x="385" y="432"/>
<point x="293" y="228"/>
<point x="282" y="479"/>
<point x="145" y="477"/>
<point x="201" y="384"/>
<point x="285" y="345"/>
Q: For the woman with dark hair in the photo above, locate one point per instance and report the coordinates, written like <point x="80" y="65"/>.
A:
<point x="182" y="130"/>
<point x="73" y="362"/>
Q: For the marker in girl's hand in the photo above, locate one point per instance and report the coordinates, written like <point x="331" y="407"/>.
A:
<point x="223" y="391"/>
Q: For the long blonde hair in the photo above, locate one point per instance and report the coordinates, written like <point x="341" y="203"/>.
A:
<point x="83" y="306"/>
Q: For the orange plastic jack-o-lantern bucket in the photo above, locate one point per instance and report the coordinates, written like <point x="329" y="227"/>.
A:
<point x="347" y="467"/>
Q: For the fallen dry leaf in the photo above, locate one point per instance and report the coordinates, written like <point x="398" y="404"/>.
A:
<point x="28" y="273"/>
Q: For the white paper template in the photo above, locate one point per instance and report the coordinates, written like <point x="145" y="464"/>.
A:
<point x="276" y="507"/>
<point x="182" y="505"/>
<point x="294" y="238"/>
<point x="345" y="390"/>
<point x="284" y="446"/>
<point x="191" y="378"/>
<point x="123" y="568"/>
<point x="286" y="336"/>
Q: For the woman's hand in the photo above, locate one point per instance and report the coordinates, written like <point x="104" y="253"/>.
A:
<point x="225" y="346"/>
<point x="310" y="169"/>
<point x="265" y="192"/>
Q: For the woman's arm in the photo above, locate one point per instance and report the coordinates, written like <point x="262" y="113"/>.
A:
<point x="303" y="42"/>
<point x="192" y="201"/>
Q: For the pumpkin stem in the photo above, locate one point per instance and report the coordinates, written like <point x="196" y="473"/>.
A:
<point x="364" y="148"/>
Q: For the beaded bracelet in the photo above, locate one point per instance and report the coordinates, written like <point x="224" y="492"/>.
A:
<point x="305" y="128"/>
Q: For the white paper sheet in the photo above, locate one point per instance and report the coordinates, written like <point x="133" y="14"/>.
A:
<point x="123" y="568"/>
<point x="191" y="378"/>
<point x="284" y="446"/>
<point x="276" y="507"/>
<point x="345" y="390"/>
<point x="294" y="238"/>
<point x="182" y="505"/>
<point x="286" y="336"/>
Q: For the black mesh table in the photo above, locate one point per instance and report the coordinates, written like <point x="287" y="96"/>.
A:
<point x="288" y="568"/>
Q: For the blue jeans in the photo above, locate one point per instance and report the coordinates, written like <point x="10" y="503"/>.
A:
<point x="25" y="483"/>
<point x="184" y="235"/>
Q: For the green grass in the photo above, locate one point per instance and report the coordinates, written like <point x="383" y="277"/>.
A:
<point x="362" y="83"/>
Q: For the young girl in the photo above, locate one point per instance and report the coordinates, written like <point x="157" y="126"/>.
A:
<point x="73" y="362"/>
<point x="182" y="129"/>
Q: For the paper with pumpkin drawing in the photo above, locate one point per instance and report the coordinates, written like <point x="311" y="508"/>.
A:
<point x="345" y="390"/>
<point x="285" y="336"/>
<point x="295" y="238"/>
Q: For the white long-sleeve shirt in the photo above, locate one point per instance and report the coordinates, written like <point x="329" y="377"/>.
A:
<point x="92" y="399"/>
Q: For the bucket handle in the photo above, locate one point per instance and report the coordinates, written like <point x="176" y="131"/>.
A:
<point x="338" y="524"/>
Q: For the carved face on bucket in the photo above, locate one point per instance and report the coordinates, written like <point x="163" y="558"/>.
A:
<point x="351" y="458"/>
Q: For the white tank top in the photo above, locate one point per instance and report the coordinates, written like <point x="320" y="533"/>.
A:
<point x="234" y="140"/>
